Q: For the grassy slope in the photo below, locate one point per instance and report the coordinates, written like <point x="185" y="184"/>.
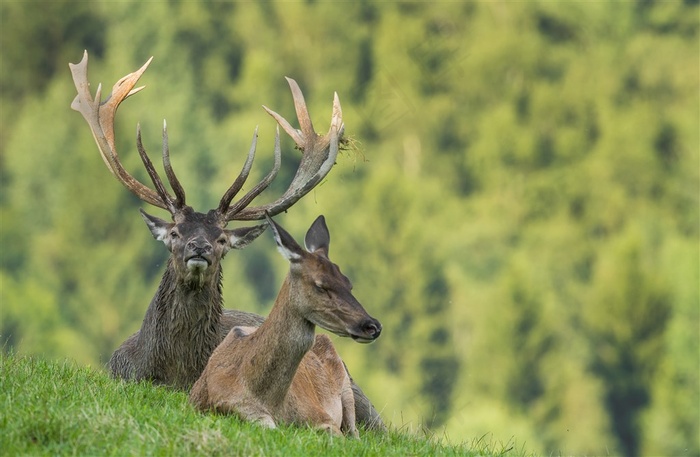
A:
<point x="57" y="408"/>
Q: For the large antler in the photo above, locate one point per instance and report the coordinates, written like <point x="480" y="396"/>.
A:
<point x="319" y="155"/>
<point x="100" y="117"/>
<point x="319" y="152"/>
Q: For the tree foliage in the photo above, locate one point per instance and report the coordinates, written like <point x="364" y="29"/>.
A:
<point x="519" y="207"/>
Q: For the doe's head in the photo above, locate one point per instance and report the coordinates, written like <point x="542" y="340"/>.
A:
<point x="325" y="292"/>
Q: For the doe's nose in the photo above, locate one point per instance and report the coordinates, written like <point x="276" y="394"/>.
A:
<point x="373" y="328"/>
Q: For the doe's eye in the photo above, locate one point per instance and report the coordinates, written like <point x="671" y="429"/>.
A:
<point x="222" y="241"/>
<point x="174" y="234"/>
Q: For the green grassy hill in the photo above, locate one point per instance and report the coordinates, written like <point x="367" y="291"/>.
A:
<point x="58" y="408"/>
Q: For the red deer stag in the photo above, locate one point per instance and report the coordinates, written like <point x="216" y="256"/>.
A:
<point x="185" y="320"/>
<point x="280" y="373"/>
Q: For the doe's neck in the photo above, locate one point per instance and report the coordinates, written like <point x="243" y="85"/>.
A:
<point x="280" y="344"/>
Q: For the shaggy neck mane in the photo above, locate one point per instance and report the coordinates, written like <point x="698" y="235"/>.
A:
<point x="191" y="298"/>
<point x="186" y="317"/>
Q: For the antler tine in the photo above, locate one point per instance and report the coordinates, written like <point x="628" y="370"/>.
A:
<point x="100" y="117"/>
<point x="170" y="173"/>
<point x="302" y="114"/>
<point x="262" y="185"/>
<point x="171" y="204"/>
<point x="319" y="155"/>
<point x="241" y="179"/>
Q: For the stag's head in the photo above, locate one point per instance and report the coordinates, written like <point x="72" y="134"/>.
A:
<point x="325" y="294"/>
<point x="198" y="241"/>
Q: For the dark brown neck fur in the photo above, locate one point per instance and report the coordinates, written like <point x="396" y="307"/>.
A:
<point x="181" y="327"/>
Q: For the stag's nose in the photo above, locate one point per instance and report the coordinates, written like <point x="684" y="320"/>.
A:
<point x="199" y="246"/>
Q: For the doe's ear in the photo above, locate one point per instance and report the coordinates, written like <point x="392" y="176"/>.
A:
<point x="318" y="237"/>
<point x="243" y="236"/>
<point x="158" y="227"/>
<point x="286" y="244"/>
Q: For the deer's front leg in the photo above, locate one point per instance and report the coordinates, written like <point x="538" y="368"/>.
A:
<point x="348" y="424"/>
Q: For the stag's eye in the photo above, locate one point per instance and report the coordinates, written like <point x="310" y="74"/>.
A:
<point x="223" y="241"/>
<point x="174" y="234"/>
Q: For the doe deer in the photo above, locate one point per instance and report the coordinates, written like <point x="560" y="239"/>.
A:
<point x="186" y="320"/>
<point x="281" y="372"/>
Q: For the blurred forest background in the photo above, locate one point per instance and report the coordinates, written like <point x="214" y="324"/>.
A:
<point x="520" y="207"/>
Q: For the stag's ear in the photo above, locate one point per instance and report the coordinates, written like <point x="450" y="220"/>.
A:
<point x="243" y="236"/>
<point x="287" y="246"/>
<point x="318" y="238"/>
<point x="159" y="228"/>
